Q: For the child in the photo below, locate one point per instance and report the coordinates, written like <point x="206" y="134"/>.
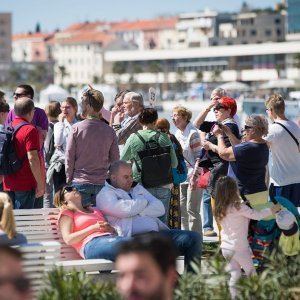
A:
<point x="234" y="217"/>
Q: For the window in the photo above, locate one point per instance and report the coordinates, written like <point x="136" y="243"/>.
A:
<point x="253" y="32"/>
<point x="268" y="32"/>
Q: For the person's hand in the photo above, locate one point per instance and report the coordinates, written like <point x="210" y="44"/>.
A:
<point x="207" y="145"/>
<point x="193" y="183"/>
<point x="61" y="117"/>
<point x="119" y="117"/>
<point x="218" y="130"/>
<point x="210" y="106"/>
<point x="276" y="208"/>
<point x="40" y="190"/>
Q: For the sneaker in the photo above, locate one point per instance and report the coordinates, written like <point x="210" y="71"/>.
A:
<point x="209" y="233"/>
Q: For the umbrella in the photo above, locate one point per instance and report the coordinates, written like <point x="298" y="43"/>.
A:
<point x="235" y="86"/>
<point x="278" y="83"/>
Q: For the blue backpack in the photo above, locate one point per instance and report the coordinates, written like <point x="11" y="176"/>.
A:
<point x="9" y="161"/>
<point x="179" y="173"/>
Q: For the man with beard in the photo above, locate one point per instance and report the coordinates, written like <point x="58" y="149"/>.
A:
<point x="147" y="268"/>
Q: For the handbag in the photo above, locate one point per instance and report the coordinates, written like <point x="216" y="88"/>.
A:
<point x="203" y="178"/>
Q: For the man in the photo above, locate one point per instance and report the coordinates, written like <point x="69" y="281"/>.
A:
<point x="132" y="210"/>
<point x="133" y="105"/>
<point x="91" y="147"/>
<point x="28" y="183"/>
<point x="39" y="120"/>
<point x="147" y="268"/>
<point x="13" y="283"/>
<point x="285" y="167"/>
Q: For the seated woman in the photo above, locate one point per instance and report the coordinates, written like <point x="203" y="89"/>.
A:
<point x="8" y="234"/>
<point x="85" y="228"/>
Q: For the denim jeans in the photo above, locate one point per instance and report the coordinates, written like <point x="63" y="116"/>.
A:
<point x="207" y="211"/>
<point x="164" y="195"/>
<point x="105" y="247"/>
<point x="188" y="243"/>
<point x="88" y="192"/>
<point x="190" y="203"/>
<point x="22" y="200"/>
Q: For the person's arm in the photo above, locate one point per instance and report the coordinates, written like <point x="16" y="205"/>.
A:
<point x="202" y="115"/>
<point x="70" y="157"/>
<point x="66" y="228"/>
<point x="59" y="128"/>
<point x="232" y="138"/>
<point x="123" y="133"/>
<point x="114" y="153"/>
<point x="254" y="214"/>
<point x="155" y="207"/>
<point x="224" y="152"/>
<point x="118" y="206"/>
<point x="35" y="166"/>
<point x="126" y="151"/>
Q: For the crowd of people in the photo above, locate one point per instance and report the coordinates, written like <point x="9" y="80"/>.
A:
<point x="90" y="165"/>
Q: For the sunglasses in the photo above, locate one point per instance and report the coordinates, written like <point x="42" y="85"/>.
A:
<point x="18" y="95"/>
<point x="21" y="284"/>
<point x="219" y="106"/>
<point x="247" y="127"/>
<point x="68" y="189"/>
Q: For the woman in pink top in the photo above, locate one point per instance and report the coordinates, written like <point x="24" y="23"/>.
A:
<point x="85" y="228"/>
<point x="234" y="217"/>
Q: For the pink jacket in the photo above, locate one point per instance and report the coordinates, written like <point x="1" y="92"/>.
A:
<point x="235" y="226"/>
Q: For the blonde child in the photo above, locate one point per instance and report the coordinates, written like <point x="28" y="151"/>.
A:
<point x="8" y="234"/>
<point x="234" y="217"/>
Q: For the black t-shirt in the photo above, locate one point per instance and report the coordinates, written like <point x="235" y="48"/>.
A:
<point x="207" y="127"/>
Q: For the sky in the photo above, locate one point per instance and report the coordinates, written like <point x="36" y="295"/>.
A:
<point x="53" y="14"/>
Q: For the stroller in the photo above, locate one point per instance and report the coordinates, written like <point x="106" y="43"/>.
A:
<point x="266" y="235"/>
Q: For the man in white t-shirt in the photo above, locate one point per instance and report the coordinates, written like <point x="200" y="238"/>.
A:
<point x="283" y="139"/>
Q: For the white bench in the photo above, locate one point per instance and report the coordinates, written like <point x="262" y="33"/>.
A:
<point x="40" y="225"/>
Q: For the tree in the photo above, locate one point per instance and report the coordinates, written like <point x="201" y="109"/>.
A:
<point x="180" y="80"/>
<point x="215" y="75"/>
<point x="63" y="73"/>
<point x="199" y="76"/>
<point x="119" y="68"/>
<point x="38" y="27"/>
<point x="155" y="67"/>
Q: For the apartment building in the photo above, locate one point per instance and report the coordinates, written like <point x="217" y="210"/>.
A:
<point x="5" y="45"/>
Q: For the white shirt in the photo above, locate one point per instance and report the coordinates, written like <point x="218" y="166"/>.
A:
<point x="285" y="164"/>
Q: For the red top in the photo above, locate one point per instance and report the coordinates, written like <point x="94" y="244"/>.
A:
<point x="26" y="139"/>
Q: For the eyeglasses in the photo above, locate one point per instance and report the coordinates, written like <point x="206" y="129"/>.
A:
<point x="21" y="284"/>
<point x="68" y="189"/>
<point x="218" y="107"/>
<point x="268" y="109"/>
<point x="18" y="95"/>
<point x="247" y="127"/>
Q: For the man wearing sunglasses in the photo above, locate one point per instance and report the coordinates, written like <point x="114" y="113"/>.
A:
<point x="13" y="283"/>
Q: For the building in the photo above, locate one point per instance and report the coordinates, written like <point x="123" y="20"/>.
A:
<point x="147" y="34"/>
<point x="293" y="11"/>
<point x="31" y="47"/>
<point x="5" y="45"/>
<point x="249" y="62"/>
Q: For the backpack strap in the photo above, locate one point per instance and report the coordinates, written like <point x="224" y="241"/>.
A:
<point x="293" y="137"/>
<point x="141" y="138"/>
<point x="15" y="129"/>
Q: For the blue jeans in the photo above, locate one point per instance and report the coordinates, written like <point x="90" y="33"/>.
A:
<point x="207" y="211"/>
<point x="188" y="243"/>
<point x="164" y="195"/>
<point x="88" y="192"/>
<point x="23" y="200"/>
<point x="105" y="247"/>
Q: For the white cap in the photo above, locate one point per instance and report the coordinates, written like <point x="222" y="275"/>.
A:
<point x="285" y="219"/>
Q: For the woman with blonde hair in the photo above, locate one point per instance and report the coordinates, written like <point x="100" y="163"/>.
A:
<point x="8" y="234"/>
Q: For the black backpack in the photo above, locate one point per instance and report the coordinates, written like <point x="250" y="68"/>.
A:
<point x="9" y="161"/>
<point x="156" y="167"/>
<point x="49" y="143"/>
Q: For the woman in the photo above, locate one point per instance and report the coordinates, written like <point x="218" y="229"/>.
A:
<point x="8" y="234"/>
<point x="85" y="228"/>
<point x="148" y="118"/>
<point x="225" y="109"/>
<point x="163" y="125"/>
<point x="190" y="196"/>
<point x="52" y="110"/>
<point x="117" y="111"/>
<point x="249" y="159"/>
<point x="62" y="128"/>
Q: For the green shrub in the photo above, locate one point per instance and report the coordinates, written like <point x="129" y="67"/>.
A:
<point x="76" y="286"/>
